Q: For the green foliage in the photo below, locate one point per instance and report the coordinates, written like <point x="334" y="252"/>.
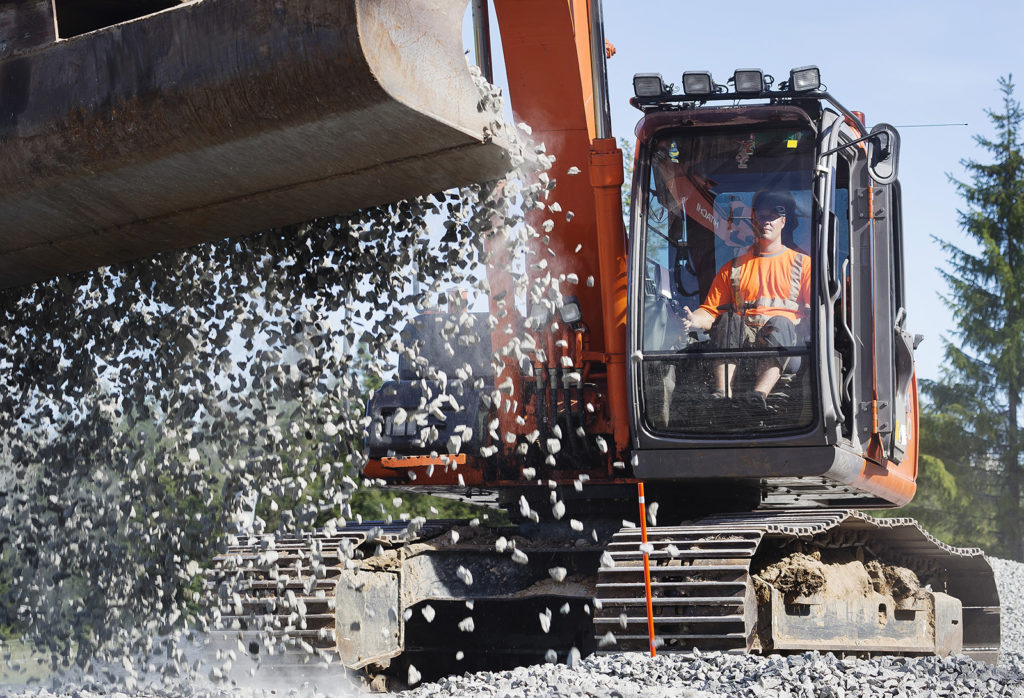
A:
<point x="375" y="504"/>
<point x="628" y="150"/>
<point x="940" y="486"/>
<point x="973" y="422"/>
<point x="950" y="511"/>
<point x="8" y="628"/>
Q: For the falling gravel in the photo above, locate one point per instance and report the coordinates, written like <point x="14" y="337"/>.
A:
<point x="152" y="411"/>
<point x="1010" y="582"/>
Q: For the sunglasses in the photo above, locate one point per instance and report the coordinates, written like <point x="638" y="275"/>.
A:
<point x="770" y="214"/>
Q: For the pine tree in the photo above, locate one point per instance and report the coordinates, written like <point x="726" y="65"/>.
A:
<point x="986" y="368"/>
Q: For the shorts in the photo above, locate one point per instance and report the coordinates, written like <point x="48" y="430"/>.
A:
<point x="729" y="331"/>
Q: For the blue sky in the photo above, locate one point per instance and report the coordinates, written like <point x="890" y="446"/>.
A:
<point x="905" y="63"/>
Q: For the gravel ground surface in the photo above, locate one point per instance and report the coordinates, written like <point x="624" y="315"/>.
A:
<point x="689" y="675"/>
<point x="715" y="674"/>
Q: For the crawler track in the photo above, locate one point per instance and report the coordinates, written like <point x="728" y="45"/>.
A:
<point x="276" y="594"/>
<point x="703" y="589"/>
<point x="276" y="598"/>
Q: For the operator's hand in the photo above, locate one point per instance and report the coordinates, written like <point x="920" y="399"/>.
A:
<point x="687" y="318"/>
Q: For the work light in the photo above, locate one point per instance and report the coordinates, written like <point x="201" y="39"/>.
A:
<point x="648" y="85"/>
<point x="748" y="81"/>
<point x="698" y="82"/>
<point x="570" y="312"/>
<point x="804" y="79"/>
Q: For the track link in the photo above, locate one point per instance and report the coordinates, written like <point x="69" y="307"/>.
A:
<point x="700" y="581"/>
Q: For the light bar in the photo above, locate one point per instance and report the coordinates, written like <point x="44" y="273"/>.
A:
<point x="804" y="79"/>
<point x="747" y="81"/>
<point x="698" y="82"/>
<point x="648" y="85"/>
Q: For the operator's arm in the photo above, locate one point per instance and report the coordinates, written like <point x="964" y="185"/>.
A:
<point x="720" y="293"/>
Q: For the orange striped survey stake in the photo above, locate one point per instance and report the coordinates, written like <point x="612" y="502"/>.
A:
<point x="647" y="568"/>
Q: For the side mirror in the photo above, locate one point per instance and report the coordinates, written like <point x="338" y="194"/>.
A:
<point x="883" y="153"/>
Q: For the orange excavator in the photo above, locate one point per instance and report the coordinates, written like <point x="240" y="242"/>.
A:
<point x="621" y="389"/>
<point x="329" y="106"/>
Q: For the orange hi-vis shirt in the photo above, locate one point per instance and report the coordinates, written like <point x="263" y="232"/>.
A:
<point x="768" y="286"/>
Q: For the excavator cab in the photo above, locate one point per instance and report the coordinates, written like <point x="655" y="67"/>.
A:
<point x="837" y="425"/>
<point x="700" y="202"/>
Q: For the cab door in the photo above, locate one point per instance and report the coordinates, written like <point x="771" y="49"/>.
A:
<point x="881" y="395"/>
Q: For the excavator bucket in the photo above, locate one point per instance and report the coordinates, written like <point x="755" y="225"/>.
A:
<point x="130" y="127"/>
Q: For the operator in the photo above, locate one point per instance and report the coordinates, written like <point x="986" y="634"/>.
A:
<point x="758" y="299"/>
